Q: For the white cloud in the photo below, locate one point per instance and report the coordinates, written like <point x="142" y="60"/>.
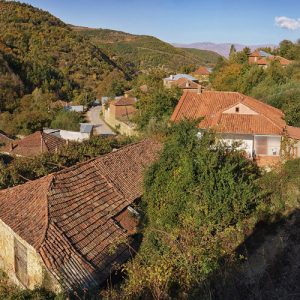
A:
<point x="288" y="23"/>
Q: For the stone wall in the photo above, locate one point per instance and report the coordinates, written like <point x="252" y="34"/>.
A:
<point x="37" y="273"/>
<point x="121" y="127"/>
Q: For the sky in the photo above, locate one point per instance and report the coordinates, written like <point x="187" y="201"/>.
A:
<point x="180" y="21"/>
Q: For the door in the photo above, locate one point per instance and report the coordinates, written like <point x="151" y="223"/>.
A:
<point x="21" y="262"/>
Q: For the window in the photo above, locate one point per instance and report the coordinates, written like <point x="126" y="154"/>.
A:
<point x="261" y="145"/>
<point x="237" y="109"/>
<point x="21" y="262"/>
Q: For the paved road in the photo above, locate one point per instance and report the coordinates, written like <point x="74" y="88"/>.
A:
<point x="93" y="116"/>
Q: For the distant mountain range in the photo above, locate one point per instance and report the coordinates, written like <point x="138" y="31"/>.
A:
<point x="222" y="49"/>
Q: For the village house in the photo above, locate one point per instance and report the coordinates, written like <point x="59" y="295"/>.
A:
<point x="173" y="79"/>
<point x="33" y="144"/>
<point x="187" y="85"/>
<point x="70" y="229"/>
<point x="118" y="113"/>
<point x="201" y="74"/>
<point x="260" y="128"/>
<point x="263" y="59"/>
<point x="84" y="134"/>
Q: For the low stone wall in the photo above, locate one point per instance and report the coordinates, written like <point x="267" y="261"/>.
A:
<point x="37" y="273"/>
<point x="121" y="127"/>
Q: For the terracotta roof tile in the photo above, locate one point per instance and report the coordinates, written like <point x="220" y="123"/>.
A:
<point x="24" y="209"/>
<point x="201" y="71"/>
<point x="124" y="101"/>
<point x="69" y="217"/>
<point x="34" y="144"/>
<point x="184" y="83"/>
<point x="293" y="132"/>
<point x="211" y="105"/>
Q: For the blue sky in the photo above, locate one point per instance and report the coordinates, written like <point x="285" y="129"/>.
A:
<point x="238" y="21"/>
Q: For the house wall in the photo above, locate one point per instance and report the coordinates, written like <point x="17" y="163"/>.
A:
<point x="74" y="136"/>
<point x="252" y="59"/>
<point x="123" y="128"/>
<point x="246" y="141"/>
<point x="37" y="273"/>
<point x="122" y="110"/>
<point x="201" y="77"/>
<point x="267" y="145"/>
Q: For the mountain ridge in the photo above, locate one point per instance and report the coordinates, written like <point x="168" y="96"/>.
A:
<point x="221" y="48"/>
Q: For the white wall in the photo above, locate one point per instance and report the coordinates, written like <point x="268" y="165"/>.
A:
<point x="273" y="145"/>
<point x="74" y="136"/>
<point x="245" y="140"/>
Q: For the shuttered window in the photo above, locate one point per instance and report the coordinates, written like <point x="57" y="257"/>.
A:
<point x="21" y="262"/>
<point x="261" y="145"/>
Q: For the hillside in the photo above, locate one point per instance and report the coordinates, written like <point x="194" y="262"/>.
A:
<point x="11" y="87"/>
<point x="140" y="52"/>
<point x="44" y="52"/>
<point x="206" y="57"/>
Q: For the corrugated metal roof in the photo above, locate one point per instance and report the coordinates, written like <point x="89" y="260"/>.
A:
<point x="86" y="127"/>
<point x="178" y="76"/>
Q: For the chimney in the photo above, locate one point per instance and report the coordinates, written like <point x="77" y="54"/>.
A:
<point x="172" y="77"/>
<point x="11" y="148"/>
<point x="199" y="89"/>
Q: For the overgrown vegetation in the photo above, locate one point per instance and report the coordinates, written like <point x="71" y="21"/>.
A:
<point x="197" y="192"/>
<point x="156" y="104"/>
<point x="22" y="169"/>
<point x="201" y="202"/>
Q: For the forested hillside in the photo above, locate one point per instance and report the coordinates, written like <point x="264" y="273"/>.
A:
<point x="140" y="52"/>
<point x="207" y="57"/>
<point x="46" y="53"/>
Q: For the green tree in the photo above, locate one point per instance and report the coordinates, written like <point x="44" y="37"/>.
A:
<point x="156" y="106"/>
<point x="68" y="120"/>
<point x="197" y="189"/>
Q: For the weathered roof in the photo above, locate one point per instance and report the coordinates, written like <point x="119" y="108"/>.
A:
<point x="178" y="76"/>
<point x="75" y="108"/>
<point x="71" y="217"/>
<point x="211" y="106"/>
<point x="124" y="101"/>
<point x="266" y="60"/>
<point x="86" y="127"/>
<point x="260" y="53"/>
<point x="293" y="132"/>
<point x="184" y="83"/>
<point x="202" y="71"/>
<point x="34" y="144"/>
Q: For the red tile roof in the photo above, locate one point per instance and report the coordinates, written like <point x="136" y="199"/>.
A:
<point x="71" y="217"/>
<point x="266" y="60"/>
<point x="34" y="144"/>
<point x="201" y="71"/>
<point x="124" y="101"/>
<point x="255" y="54"/>
<point x="184" y="83"/>
<point x="211" y="105"/>
<point x="293" y="132"/>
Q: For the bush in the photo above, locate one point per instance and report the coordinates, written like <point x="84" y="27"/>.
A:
<point x="67" y="120"/>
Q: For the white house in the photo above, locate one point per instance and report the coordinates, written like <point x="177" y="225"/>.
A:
<point x="258" y="128"/>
